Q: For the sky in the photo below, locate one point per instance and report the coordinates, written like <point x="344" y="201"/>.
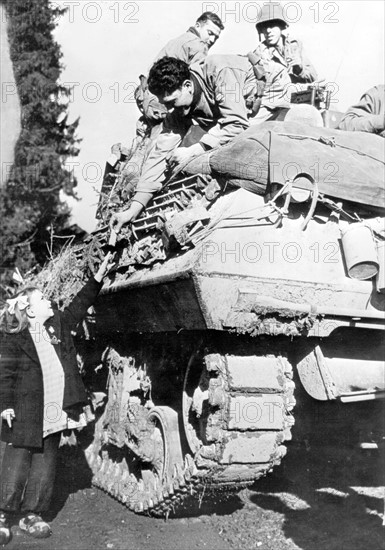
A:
<point x="9" y="105"/>
<point x="107" y="44"/>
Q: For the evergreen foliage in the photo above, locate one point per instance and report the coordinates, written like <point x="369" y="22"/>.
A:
<point x="31" y="204"/>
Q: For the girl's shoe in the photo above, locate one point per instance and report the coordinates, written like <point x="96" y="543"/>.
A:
<point x="5" y="532"/>
<point x="33" y="525"/>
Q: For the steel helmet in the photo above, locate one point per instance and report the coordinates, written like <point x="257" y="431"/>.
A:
<point x="271" y="11"/>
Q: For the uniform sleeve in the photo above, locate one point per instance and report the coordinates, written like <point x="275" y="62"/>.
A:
<point x="84" y="299"/>
<point x="153" y="172"/>
<point x="195" y="51"/>
<point x="308" y="73"/>
<point x="8" y="372"/>
<point x="188" y="48"/>
<point x="232" y="109"/>
<point x="363" y="117"/>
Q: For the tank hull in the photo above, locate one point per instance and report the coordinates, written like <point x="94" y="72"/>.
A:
<point x="242" y="265"/>
<point x="200" y="351"/>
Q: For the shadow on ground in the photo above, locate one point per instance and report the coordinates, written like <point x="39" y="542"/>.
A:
<point x="335" y="501"/>
<point x="73" y="476"/>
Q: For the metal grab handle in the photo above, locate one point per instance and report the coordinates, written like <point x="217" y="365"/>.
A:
<point x="285" y="190"/>
<point x="314" y="200"/>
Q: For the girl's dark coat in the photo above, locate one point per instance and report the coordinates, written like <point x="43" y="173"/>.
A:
<point x="21" y="379"/>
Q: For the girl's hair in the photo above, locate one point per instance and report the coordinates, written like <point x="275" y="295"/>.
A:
<point x="18" y="320"/>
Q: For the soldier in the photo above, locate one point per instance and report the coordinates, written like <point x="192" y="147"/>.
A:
<point x="368" y="115"/>
<point x="193" y="45"/>
<point x="280" y="59"/>
<point x="214" y="94"/>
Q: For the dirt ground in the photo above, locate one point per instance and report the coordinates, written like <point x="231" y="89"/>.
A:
<point x="320" y="498"/>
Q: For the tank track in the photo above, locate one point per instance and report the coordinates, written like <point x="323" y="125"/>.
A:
<point x="230" y="450"/>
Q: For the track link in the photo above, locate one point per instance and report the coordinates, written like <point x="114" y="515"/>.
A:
<point x="237" y="415"/>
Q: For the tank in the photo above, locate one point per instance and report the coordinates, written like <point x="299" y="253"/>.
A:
<point x="234" y="283"/>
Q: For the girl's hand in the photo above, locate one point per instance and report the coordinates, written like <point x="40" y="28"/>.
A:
<point x="104" y="267"/>
<point x="8" y="415"/>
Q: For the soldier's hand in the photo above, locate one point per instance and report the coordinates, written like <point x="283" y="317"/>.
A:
<point x="297" y="68"/>
<point x="184" y="154"/>
<point x="379" y="122"/>
<point x="120" y="218"/>
<point x="116" y="149"/>
<point x="8" y="415"/>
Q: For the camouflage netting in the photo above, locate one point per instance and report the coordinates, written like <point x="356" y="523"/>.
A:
<point x="119" y="186"/>
<point x="66" y="273"/>
<point x="63" y="277"/>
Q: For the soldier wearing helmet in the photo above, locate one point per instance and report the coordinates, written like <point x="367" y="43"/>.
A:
<point x="281" y="59"/>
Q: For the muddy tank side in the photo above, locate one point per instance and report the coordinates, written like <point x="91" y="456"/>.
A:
<point x="202" y="350"/>
<point x="249" y="263"/>
<point x="275" y="277"/>
<point x="281" y="268"/>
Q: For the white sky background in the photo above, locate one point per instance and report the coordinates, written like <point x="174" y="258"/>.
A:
<point x="107" y="44"/>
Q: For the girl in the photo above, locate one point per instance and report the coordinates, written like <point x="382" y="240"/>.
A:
<point x="41" y="390"/>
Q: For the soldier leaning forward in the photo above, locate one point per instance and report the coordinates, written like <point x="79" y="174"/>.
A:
<point x="214" y="95"/>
